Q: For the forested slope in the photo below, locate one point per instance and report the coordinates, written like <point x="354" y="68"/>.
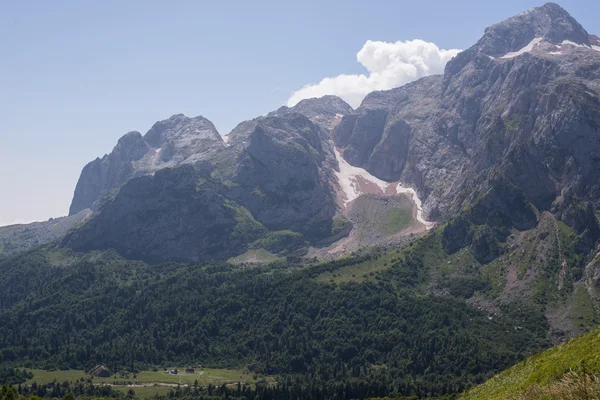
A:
<point x="69" y="310"/>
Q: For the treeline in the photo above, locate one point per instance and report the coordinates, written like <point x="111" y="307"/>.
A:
<point x="14" y="375"/>
<point x="350" y="390"/>
<point x="382" y="335"/>
<point x="56" y="390"/>
<point x="78" y="390"/>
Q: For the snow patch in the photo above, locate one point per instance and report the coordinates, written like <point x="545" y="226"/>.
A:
<point x="524" y="50"/>
<point x="157" y="150"/>
<point x="593" y="47"/>
<point x="349" y="178"/>
<point x="555" y="52"/>
<point x="226" y="138"/>
<point x="572" y="43"/>
<point x="415" y="198"/>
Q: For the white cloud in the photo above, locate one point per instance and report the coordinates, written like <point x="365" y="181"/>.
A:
<point x="389" y="65"/>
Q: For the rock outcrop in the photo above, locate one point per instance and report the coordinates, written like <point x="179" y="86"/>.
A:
<point x="521" y="106"/>
<point x="326" y="111"/>
<point x="284" y="173"/>
<point x="276" y="173"/>
<point x="176" y="141"/>
<point x="511" y="128"/>
<point x="174" y="214"/>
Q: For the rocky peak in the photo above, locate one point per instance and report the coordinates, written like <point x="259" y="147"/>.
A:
<point x="287" y="129"/>
<point x="549" y="25"/>
<point x="180" y="127"/>
<point x="327" y="104"/>
<point x="169" y="143"/>
<point x="549" y="22"/>
<point x="131" y="146"/>
<point x="325" y="111"/>
<point x="502" y="131"/>
<point x="282" y="169"/>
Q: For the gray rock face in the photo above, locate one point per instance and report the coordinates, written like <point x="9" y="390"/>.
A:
<point x="380" y="135"/>
<point x="180" y="139"/>
<point x="513" y="122"/>
<point x="324" y="111"/>
<point x="549" y="21"/>
<point x="284" y="173"/>
<point x="395" y="135"/>
<point x="174" y="214"/>
<point x="531" y="118"/>
<point x="275" y="174"/>
<point x="176" y="141"/>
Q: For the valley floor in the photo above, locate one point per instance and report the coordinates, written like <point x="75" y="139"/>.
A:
<point x="150" y="383"/>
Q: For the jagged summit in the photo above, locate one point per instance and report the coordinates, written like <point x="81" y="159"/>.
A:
<point x="178" y="126"/>
<point x="324" y="111"/>
<point x="169" y="143"/>
<point x="520" y="104"/>
<point x="549" y="22"/>
<point x="131" y="146"/>
<point x="327" y="102"/>
<point x="548" y="31"/>
<point x="451" y="138"/>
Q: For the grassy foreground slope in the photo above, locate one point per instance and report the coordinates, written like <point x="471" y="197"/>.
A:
<point x="567" y="371"/>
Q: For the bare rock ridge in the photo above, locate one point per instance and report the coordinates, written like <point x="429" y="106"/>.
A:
<point x="380" y="135"/>
<point x="176" y="141"/>
<point x="284" y="160"/>
<point x="549" y="21"/>
<point x="325" y="111"/>
<point x="529" y="118"/>
<point x="506" y="110"/>
<point x="172" y="142"/>
<point x="511" y="129"/>
<point x="272" y="185"/>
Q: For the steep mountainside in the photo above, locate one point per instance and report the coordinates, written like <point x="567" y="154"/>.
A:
<point x="283" y="172"/>
<point x="173" y="214"/>
<point x="509" y="131"/>
<point x="17" y="238"/>
<point x="521" y="103"/>
<point x="567" y="371"/>
<point x="169" y="143"/>
<point x="180" y="141"/>
<point x="275" y="174"/>
<point x="504" y="150"/>
<point x="326" y="111"/>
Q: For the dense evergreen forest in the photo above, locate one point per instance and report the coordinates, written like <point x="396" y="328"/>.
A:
<point x="79" y="390"/>
<point x="381" y="336"/>
<point x="14" y="375"/>
<point x="66" y="390"/>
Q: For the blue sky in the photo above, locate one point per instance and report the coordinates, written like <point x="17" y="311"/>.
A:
<point x="77" y="75"/>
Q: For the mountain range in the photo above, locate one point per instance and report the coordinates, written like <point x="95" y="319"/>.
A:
<point x="486" y="178"/>
<point x="510" y="127"/>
